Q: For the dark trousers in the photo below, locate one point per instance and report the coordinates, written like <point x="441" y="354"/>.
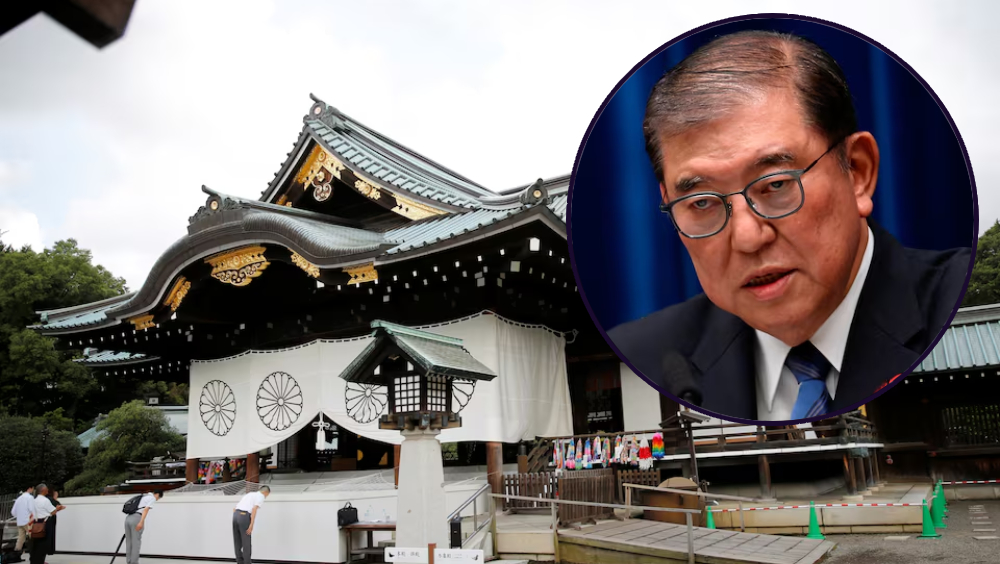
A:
<point x="241" y="540"/>
<point x="40" y="548"/>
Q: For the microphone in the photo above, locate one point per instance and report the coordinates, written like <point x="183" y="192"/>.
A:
<point x="679" y="378"/>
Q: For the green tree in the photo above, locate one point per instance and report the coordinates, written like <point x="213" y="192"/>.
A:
<point x="984" y="286"/>
<point x="33" y="451"/>
<point x="36" y="377"/>
<point x="170" y="393"/>
<point x="131" y="433"/>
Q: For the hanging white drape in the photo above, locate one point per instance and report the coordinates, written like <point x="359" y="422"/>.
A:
<point x="253" y="401"/>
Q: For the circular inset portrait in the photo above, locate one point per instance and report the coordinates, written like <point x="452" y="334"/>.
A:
<point x="771" y="218"/>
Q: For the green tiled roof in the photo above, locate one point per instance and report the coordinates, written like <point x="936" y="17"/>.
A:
<point x="972" y="341"/>
<point x="383" y="161"/>
<point x="433" y="353"/>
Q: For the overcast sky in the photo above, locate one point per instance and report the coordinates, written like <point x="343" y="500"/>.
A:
<point x="111" y="146"/>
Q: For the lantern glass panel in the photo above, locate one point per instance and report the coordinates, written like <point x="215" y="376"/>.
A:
<point x="437" y="393"/>
<point x="407" y="391"/>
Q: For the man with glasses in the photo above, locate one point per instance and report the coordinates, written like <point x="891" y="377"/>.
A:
<point x="809" y="306"/>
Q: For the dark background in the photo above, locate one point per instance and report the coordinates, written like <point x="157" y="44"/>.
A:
<point x="628" y="257"/>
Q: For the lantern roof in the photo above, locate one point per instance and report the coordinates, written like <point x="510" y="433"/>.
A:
<point x="429" y="352"/>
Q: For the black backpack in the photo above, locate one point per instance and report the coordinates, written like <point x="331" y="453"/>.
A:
<point x="132" y="506"/>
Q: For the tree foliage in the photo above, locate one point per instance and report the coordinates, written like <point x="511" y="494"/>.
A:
<point x="33" y="450"/>
<point x="35" y="377"/>
<point x="131" y="433"/>
<point x="170" y="393"/>
<point x="984" y="286"/>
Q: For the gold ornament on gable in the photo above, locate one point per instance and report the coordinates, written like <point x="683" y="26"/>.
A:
<point x="178" y="293"/>
<point x="240" y="266"/>
<point x="142" y="322"/>
<point x="361" y="274"/>
<point x="309" y="268"/>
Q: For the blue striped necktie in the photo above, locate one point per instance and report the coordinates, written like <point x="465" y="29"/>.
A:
<point x="810" y="368"/>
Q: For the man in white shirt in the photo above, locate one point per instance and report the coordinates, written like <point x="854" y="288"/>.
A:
<point x="43" y="509"/>
<point x="135" y="523"/>
<point x="244" y="516"/>
<point x="23" y="511"/>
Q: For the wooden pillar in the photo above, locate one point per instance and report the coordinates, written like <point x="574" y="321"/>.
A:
<point x="849" y="478"/>
<point x="764" y="470"/>
<point x="253" y="467"/>
<point x="227" y="473"/>
<point x="875" y="462"/>
<point x="859" y="467"/>
<point x="395" y="461"/>
<point x="522" y="458"/>
<point x="870" y="475"/>
<point x="494" y="466"/>
<point x="191" y="470"/>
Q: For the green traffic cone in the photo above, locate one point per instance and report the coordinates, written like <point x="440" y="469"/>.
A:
<point x="944" y="500"/>
<point x="937" y="513"/>
<point x="814" y="532"/>
<point x="709" y="520"/>
<point x="928" y="527"/>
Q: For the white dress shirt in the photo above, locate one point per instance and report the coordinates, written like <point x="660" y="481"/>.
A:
<point x="147" y="501"/>
<point x="777" y="387"/>
<point x="23" y="508"/>
<point x="43" y="508"/>
<point x="249" y="501"/>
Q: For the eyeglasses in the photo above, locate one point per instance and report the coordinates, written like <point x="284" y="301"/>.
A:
<point x="772" y="196"/>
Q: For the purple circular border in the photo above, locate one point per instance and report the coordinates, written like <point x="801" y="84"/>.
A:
<point x="771" y="16"/>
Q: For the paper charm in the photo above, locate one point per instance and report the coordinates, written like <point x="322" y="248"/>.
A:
<point x="587" y="455"/>
<point x="570" y="456"/>
<point x="657" y="446"/>
<point x="645" y="456"/>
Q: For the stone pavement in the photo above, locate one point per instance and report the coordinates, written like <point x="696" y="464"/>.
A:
<point x="971" y="537"/>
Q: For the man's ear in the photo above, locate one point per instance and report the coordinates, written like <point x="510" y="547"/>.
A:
<point x="863" y="159"/>
<point x="663" y="192"/>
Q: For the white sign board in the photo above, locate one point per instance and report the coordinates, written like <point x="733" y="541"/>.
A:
<point x="442" y="555"/>
<point x="457" y="556"/>
<point x="413" y="555"/>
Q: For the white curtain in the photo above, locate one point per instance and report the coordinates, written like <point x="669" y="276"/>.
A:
<point x="253" y="401"/>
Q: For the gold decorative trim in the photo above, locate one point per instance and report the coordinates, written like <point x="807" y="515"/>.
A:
<point x="177" y="293"/>
<point x="310" y="268"/>
<point x="240" y="266"/>
<point x="414" y="210"/>
<point x="142" y="322"/>
<point x="367" y="189"/>
<point x="319" y="168"/>
<point x="363" y="273"/>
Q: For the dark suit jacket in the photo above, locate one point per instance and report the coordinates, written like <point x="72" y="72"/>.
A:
<point x="908" y="297"/>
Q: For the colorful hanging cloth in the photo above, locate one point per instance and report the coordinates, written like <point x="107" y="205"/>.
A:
<point x="645" y="456"/>
<point x="657" y="446"/>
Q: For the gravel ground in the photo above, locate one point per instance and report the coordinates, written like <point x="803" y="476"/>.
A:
<point x="955" y="545"/>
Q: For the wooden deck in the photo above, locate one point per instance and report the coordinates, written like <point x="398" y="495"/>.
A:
<point x="638" y="541"/>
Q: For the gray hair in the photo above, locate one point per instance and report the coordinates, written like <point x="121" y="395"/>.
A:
<point x="734" y="69"/>
<point x="265" y="489"/>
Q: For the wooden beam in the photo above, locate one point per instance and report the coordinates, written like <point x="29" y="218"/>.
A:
<point x="849" y="479"/>
<point x="764" y="472"/>
<point x="191" y="470"/>
<point x="859" y="467"/>
<point x="494" y="466"/>
<point x="395" y="461"/>
<point x="875" y="463"/>
<point x="253" y="467"/>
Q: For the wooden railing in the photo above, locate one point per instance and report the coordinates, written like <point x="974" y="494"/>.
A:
<point x="168" y="469"/>
<point x="843" y="429"/>
<point x="538" y="485"/>
<point x="597" y="486"/>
